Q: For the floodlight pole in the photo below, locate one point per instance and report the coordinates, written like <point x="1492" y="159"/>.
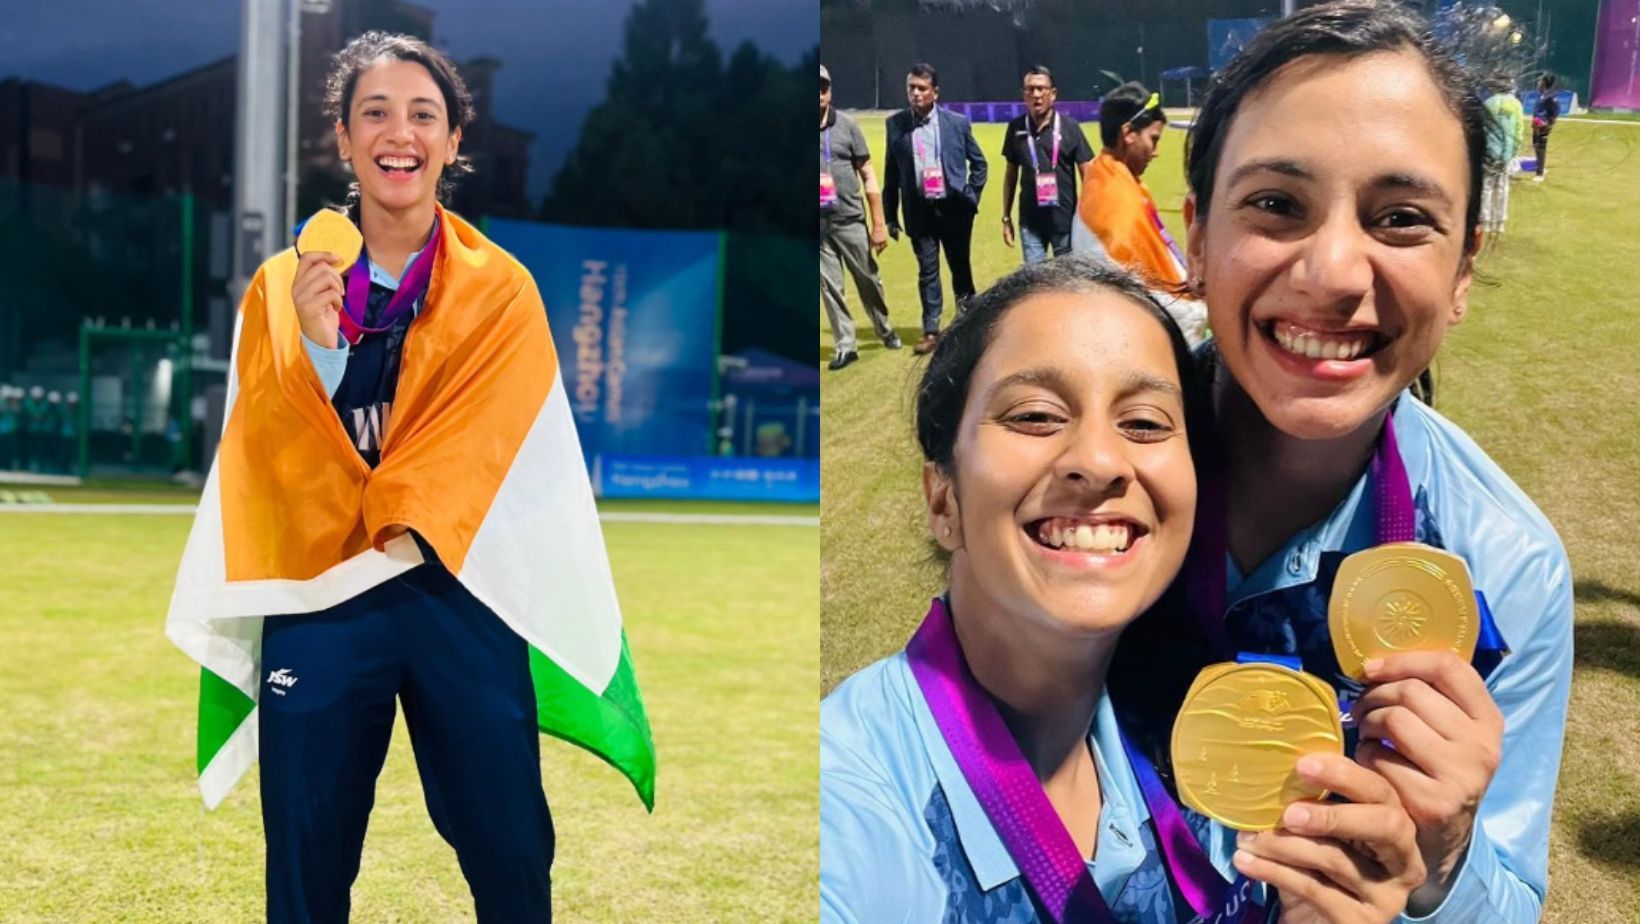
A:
<point x="258" y="208"/>
<point x="1287" y="8"/>
<point x="258" y="195"/>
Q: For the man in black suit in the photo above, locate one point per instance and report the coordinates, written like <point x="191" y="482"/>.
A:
<point x="936" y="169"/>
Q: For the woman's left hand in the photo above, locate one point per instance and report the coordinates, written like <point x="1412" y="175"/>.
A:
<point x="1447" y="739"/>
<point x="1340" y="863"/>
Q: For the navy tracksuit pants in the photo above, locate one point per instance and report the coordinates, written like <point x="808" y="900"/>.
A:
<point x="326" y="716"/>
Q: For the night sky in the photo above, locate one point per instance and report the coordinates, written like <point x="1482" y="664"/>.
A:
<point x="556" y="54"/>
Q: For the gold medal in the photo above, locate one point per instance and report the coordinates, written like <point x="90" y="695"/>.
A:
<point x="1402" y="596"/>
<point x="1239" y="736"/>
<point x="331" y="232"/>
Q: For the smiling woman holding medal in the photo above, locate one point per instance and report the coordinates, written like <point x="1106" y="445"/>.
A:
<point x="981" y="774"/>
<point x="399" y="515"/>
<point x="1335" y="169"/>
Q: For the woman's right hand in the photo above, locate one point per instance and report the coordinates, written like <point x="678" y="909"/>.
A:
<point x="319" y="297"/>
<point x="1344" y="863"/>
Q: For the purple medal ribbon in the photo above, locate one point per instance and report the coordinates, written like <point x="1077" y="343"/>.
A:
<point x="1012" y="798"/>
<point x="1030" y="145"/>
<point x="411" y="288"/>
<point x="1395" y="523"/>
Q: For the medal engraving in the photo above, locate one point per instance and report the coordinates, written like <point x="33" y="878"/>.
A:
<point x="1239" y="737"/>
<point x="1401" y="596"/>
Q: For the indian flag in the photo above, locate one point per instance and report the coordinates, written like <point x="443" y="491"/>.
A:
<point x="480" y="458"/>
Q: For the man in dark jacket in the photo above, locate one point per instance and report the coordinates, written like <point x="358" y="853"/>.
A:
<point x="937" y="171"/>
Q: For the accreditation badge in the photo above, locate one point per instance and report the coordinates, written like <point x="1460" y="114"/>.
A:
<point x="1047" y="189"/>
<point x="1239" y="736"/>
<point x="933" y="182"/>
<point x="828" y="190"/>
<point x="1401" y="596"/>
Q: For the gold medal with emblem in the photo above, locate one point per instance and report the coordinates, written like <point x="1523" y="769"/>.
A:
<point x="1402" y="596"/>
<point x="329" y="231"/>
<point x="1239" y="737"/>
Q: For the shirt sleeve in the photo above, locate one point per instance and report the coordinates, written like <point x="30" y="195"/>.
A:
<point x="330" y="364"/>
<point x="1504" y="875"/>
<point x="859" y="152"/>
<point x="871" y="866"/>
<point x="1009" y="155"/>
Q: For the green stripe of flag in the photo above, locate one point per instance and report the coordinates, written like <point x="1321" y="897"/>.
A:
<point x="222" y="709"/>
<point x="612" y="726"/>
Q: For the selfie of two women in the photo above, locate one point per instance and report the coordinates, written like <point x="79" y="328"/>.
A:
<point x="1282" y="627"/>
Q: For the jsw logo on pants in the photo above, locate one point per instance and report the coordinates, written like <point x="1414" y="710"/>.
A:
<point x="281" y="678"/>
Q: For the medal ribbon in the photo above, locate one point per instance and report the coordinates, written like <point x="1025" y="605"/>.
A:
<point x="411" y="288"/>
<point x="1394" y="516"/>
<point x="1172" y="245"/>
<point x="1012" y="798"/>
<point x="1030" y="145"/>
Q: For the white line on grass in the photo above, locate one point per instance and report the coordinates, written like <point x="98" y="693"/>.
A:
<point x="612" y="516"/>
<point x="1599" y="121"/>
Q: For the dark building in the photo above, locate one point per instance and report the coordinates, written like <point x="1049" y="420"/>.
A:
<point x="172" y="137"/>
<point x="177" y="136"/>
<point x="37" y="133"/>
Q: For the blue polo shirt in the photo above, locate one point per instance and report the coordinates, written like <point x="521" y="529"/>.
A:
<point x="1465" y="504"/>
<point x="903" y="838"/>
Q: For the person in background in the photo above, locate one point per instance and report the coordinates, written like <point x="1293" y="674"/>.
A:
<point x="69" y="427"/>
<point x="1116" y="215"/>
<point x="935" y="167"/>
<point x="1505" y="133"/>
<point x="846" y="172"/>
<point x="36" y="429"/>
<point x="11" y="423"/>
<point x="1045" y="150"/>
<point x="52" y="448"/>
<point x="1544" y="116"/>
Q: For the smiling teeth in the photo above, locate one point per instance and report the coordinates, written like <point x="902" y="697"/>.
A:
<point x="1315" y="345"/>
<point x="1102" y="538"/>
<point x="403" y="163"/>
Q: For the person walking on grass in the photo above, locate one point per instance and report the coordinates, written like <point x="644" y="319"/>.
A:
<point x="845" y="241"/>
<point x="1047" y="154"/>
<point x="935" y="167"/>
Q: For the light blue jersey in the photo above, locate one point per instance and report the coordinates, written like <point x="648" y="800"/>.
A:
<point x="903" y="838"/>
<point x="1465" y="504"/>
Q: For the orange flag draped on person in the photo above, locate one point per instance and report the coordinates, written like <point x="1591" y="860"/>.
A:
<point x="480" y="458"/>
<point x="1116" y="218"/>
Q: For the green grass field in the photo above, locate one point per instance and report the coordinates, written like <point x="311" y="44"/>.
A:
<point x="1544" y="374"/>
<point x="103" y="822"/>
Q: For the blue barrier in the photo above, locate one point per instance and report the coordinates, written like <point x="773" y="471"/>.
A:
<point x="708" y="478"/>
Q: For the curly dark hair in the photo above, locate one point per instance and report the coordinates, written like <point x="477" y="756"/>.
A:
<point x="361" y="54"/>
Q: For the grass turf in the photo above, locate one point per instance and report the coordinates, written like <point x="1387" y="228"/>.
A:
<point x="1543" y="374"/>
<point x="104" y="822"/>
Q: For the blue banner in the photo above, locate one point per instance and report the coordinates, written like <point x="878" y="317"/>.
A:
<point x="634" y="318"/>
<point x="708" y="478"/>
